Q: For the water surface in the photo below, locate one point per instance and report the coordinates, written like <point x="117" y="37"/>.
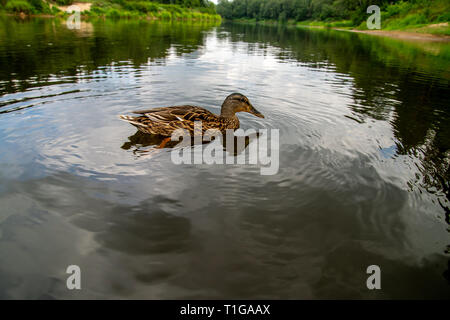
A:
<point x="363" y="177"/>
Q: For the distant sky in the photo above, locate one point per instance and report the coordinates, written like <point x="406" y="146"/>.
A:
<point x="215" y="1"/>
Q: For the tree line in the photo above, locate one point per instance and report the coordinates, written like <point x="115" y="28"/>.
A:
<point x="299" y="10"/>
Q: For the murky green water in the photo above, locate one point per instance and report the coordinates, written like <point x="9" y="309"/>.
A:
<point x="363" y="177"/>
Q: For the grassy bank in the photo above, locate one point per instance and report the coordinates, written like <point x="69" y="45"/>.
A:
<point x="419" y="16"/>
<point x="422" y="15"/>
<point x="112" y="9"/>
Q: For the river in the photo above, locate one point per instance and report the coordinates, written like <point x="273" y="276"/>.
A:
<point x="363" y="176"/>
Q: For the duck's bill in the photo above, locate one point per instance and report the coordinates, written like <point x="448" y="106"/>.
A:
<point x="256" y="113"/>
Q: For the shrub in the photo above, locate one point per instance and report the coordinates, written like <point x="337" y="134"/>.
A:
<point x="97" y="10"/>
<point x="18" y="6"/>
<point x="412" y="20"/>
<point x="444" y="17"/>
<point x="165" y="15"/>
<point x="121" y="2"/>
<point x="38" y="5"/>
<point x="173" y="8"/>
<point x="133" y="15"/>
<point x="186" y="15"/>
<point x="141" y="6"/>
<point x="196" y="15"/>
<point x="399" y="8"/>
<point x="113" y="14"/>
<point x="177" y="16"/>
<point x="64" y="2"/>
<point x="209" y="10"/>
<point x="358" y="17"/>
<point x="46" y="8"/>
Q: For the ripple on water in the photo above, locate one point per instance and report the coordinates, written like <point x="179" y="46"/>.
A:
<point x="354" y="135"/>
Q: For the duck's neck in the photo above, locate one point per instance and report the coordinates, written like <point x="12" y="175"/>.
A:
<point x="227" y="111"/>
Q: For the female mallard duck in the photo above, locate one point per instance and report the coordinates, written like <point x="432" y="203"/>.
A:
<point x="163" y="121"/>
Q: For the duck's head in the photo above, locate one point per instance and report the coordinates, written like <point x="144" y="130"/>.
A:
<point x="237" y="102"/>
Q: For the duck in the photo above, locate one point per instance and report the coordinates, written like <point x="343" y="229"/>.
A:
<point x="164" y="121"/>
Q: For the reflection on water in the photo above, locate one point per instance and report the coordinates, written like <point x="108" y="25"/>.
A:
<point x="140" y="143"/>
<point x="363" y="178"/>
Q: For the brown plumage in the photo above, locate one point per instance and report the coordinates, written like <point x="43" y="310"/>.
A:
<point x="163" y="121"/>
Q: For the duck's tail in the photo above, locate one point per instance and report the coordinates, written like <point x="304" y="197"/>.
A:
<point x="131" y="120"/>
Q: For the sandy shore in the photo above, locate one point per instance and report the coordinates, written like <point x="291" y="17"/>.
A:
<point x="407" y="35"/>
<point x="403" y="35"/>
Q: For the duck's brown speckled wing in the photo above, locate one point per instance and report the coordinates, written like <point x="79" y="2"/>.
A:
<point x="179" y="113"/>
<point x="164" y="121"/>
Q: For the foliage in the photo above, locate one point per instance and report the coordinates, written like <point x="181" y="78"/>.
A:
<point x="145" y="9"/>
<point x="397" y="14"/>
<point x="416" y="14"/>
<point x="64" y="2"/>
<point x="141" y="6"/>
<point x="18" y="6"/>
<point x="113" y="14"/>
<point x="126" y="9"/>
<point x="38" y="5"/>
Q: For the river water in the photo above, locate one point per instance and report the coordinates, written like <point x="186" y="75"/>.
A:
<point x="363" y="177"/>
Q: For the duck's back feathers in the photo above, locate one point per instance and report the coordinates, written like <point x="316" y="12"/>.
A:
<point x="178" y="113"/>
<point x="164" y="121"/>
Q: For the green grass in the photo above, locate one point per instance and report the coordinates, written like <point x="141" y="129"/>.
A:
<point x="326" y="24"/>
<point x="115" y="9"/>
<point x="416" y="17"/>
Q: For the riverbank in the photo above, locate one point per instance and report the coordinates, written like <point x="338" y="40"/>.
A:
<point x="429" y="17"/>
<point x="434" y="31"/>
<point x="111" y="10"/>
